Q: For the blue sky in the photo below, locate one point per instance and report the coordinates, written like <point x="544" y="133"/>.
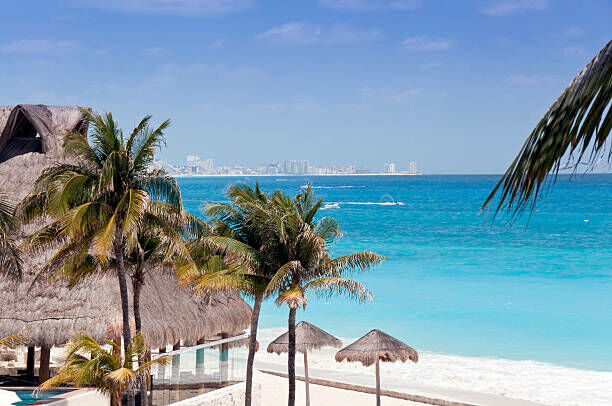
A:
<point x="453" y="85"/>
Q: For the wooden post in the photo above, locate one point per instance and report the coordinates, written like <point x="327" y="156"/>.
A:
<point x="159" y="395"/>
<point x="223" y="361"/>
<point x="200" y="372"/>
<point x="377" y="382"/>
<point x="175" y="391"/>
<point x="43" y="369"/>
<point x="306" y="378"/>
<point x="30" y="361"/>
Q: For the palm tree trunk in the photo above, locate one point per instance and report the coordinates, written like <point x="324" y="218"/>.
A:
<point x="136" y="290"/>
<point x="115" y="400"/>
<point x="306" y="378"/>
<point x="377" y="381"/>
<point x="252" y="348"/>
<point x="125" y="304"/>
<point x="291" y="357"/>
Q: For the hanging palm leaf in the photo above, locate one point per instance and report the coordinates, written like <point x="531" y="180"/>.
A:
<point x="575" y="127"/>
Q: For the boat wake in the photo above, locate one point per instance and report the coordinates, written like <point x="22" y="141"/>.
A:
<point x="332" y="187"/>
<point x="330" y="206"/>
<point x="376" y="203"/>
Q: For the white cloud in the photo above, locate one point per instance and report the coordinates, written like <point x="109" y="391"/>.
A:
<point x="573" y="50"/>
<point x="303" y="33"/>
<point x="220" y="43"/>
<point x="387" y="95"/>
<point x="152" y="51"/>
<point x="430" y="65"/>
<point x="295" y="105"/>
<point x="367" y="5"/>
<point x="529" y="80"/>
<point x="515" y="6"/>
<point x="40" y="47"/>
<point x="188" y="8"/>
<point x="574" y="32"/>
<point x="427" y="44"/>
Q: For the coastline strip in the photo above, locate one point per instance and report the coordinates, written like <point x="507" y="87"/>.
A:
<point x="365" y="389"/>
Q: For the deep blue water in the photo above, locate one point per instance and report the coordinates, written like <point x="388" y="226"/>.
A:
<point x="456" y="283"/>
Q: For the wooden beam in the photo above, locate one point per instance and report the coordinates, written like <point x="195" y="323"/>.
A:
<point x="43" y="369"/>
<point x="30" y="361"/>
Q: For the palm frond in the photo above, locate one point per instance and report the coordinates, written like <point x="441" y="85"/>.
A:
<point x="293" y="297"/>
<point x="12" y="341"/>
<point x="333" y="285"/>
<point x="134" y="208"/>
<point x="76" y="146"/>
<point x="282" y="279"/>
<point x="579" y="120"/>
<point x="145" y="144"/>
<point x="358" y="261"/>
<point x="233" y="250"/>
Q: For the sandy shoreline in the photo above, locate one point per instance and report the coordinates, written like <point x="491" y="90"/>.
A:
<point x="444" y="375"/>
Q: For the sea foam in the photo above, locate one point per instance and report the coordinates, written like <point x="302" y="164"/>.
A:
<point x="529" y="380"/>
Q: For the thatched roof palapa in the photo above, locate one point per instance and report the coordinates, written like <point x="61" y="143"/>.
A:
<point x="377" y="345"/>
<point x="23" y="126"/>
<point x="50" y="314"/>
<point x="307" y="338"/>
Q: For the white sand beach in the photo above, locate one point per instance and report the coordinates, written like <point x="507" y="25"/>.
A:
<point x="274" y="392"/>
<point x="450" y="377"/>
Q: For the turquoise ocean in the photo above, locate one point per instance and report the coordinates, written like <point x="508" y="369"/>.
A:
<point x="539" y="288"/>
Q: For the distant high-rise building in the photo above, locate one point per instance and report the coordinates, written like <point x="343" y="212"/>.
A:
<point x="191" y="159"/>
<point x="207" y="164"/>
<point x="390" y="167"/>
<point x="291" y="167"/>
<point x="303" y="168"/>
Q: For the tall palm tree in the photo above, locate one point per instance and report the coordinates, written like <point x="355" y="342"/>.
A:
<point x="234" y="256"/>
<point x="98" y="202"/>
<point x="10" y="255"/>
<point x="303" y="242"/>
<point x="575" y="128"/>
<point x="111" y="373"/>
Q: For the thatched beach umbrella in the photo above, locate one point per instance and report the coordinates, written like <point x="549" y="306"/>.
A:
<point x="307" y="338"/>
<point x="374" y="347"/>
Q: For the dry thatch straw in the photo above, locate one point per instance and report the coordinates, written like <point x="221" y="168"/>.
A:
<point x="374" y="347"/>
<point x="307" y="338"/>
<point x="377" y="345"/>
<point x="51" y="314"/>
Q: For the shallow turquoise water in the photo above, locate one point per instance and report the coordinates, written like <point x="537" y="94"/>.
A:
<point x="455" y="283"/>
<point x="28" y="396"/>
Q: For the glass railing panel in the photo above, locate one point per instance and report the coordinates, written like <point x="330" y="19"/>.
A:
<point x="193" y="371"/>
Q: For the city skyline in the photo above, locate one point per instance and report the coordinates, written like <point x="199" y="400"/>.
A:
<point x="194" y="165"/>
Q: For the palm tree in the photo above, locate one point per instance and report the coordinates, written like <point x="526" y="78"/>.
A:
<point x="98" y="203"/>
<point x="304" y="241"/>
<point x="90" y="364"/>
<point x="576" y="126"/>
<point x="12" y="341"/>
<point x="234" y="256"/>
<point x="10" y="255"/>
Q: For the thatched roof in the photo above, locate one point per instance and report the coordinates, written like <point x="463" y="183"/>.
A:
<point x="377" y="344"/>
<point x="51" y="314"/>
<point x="307" y="338"/>
<point x="19" y="126"/>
